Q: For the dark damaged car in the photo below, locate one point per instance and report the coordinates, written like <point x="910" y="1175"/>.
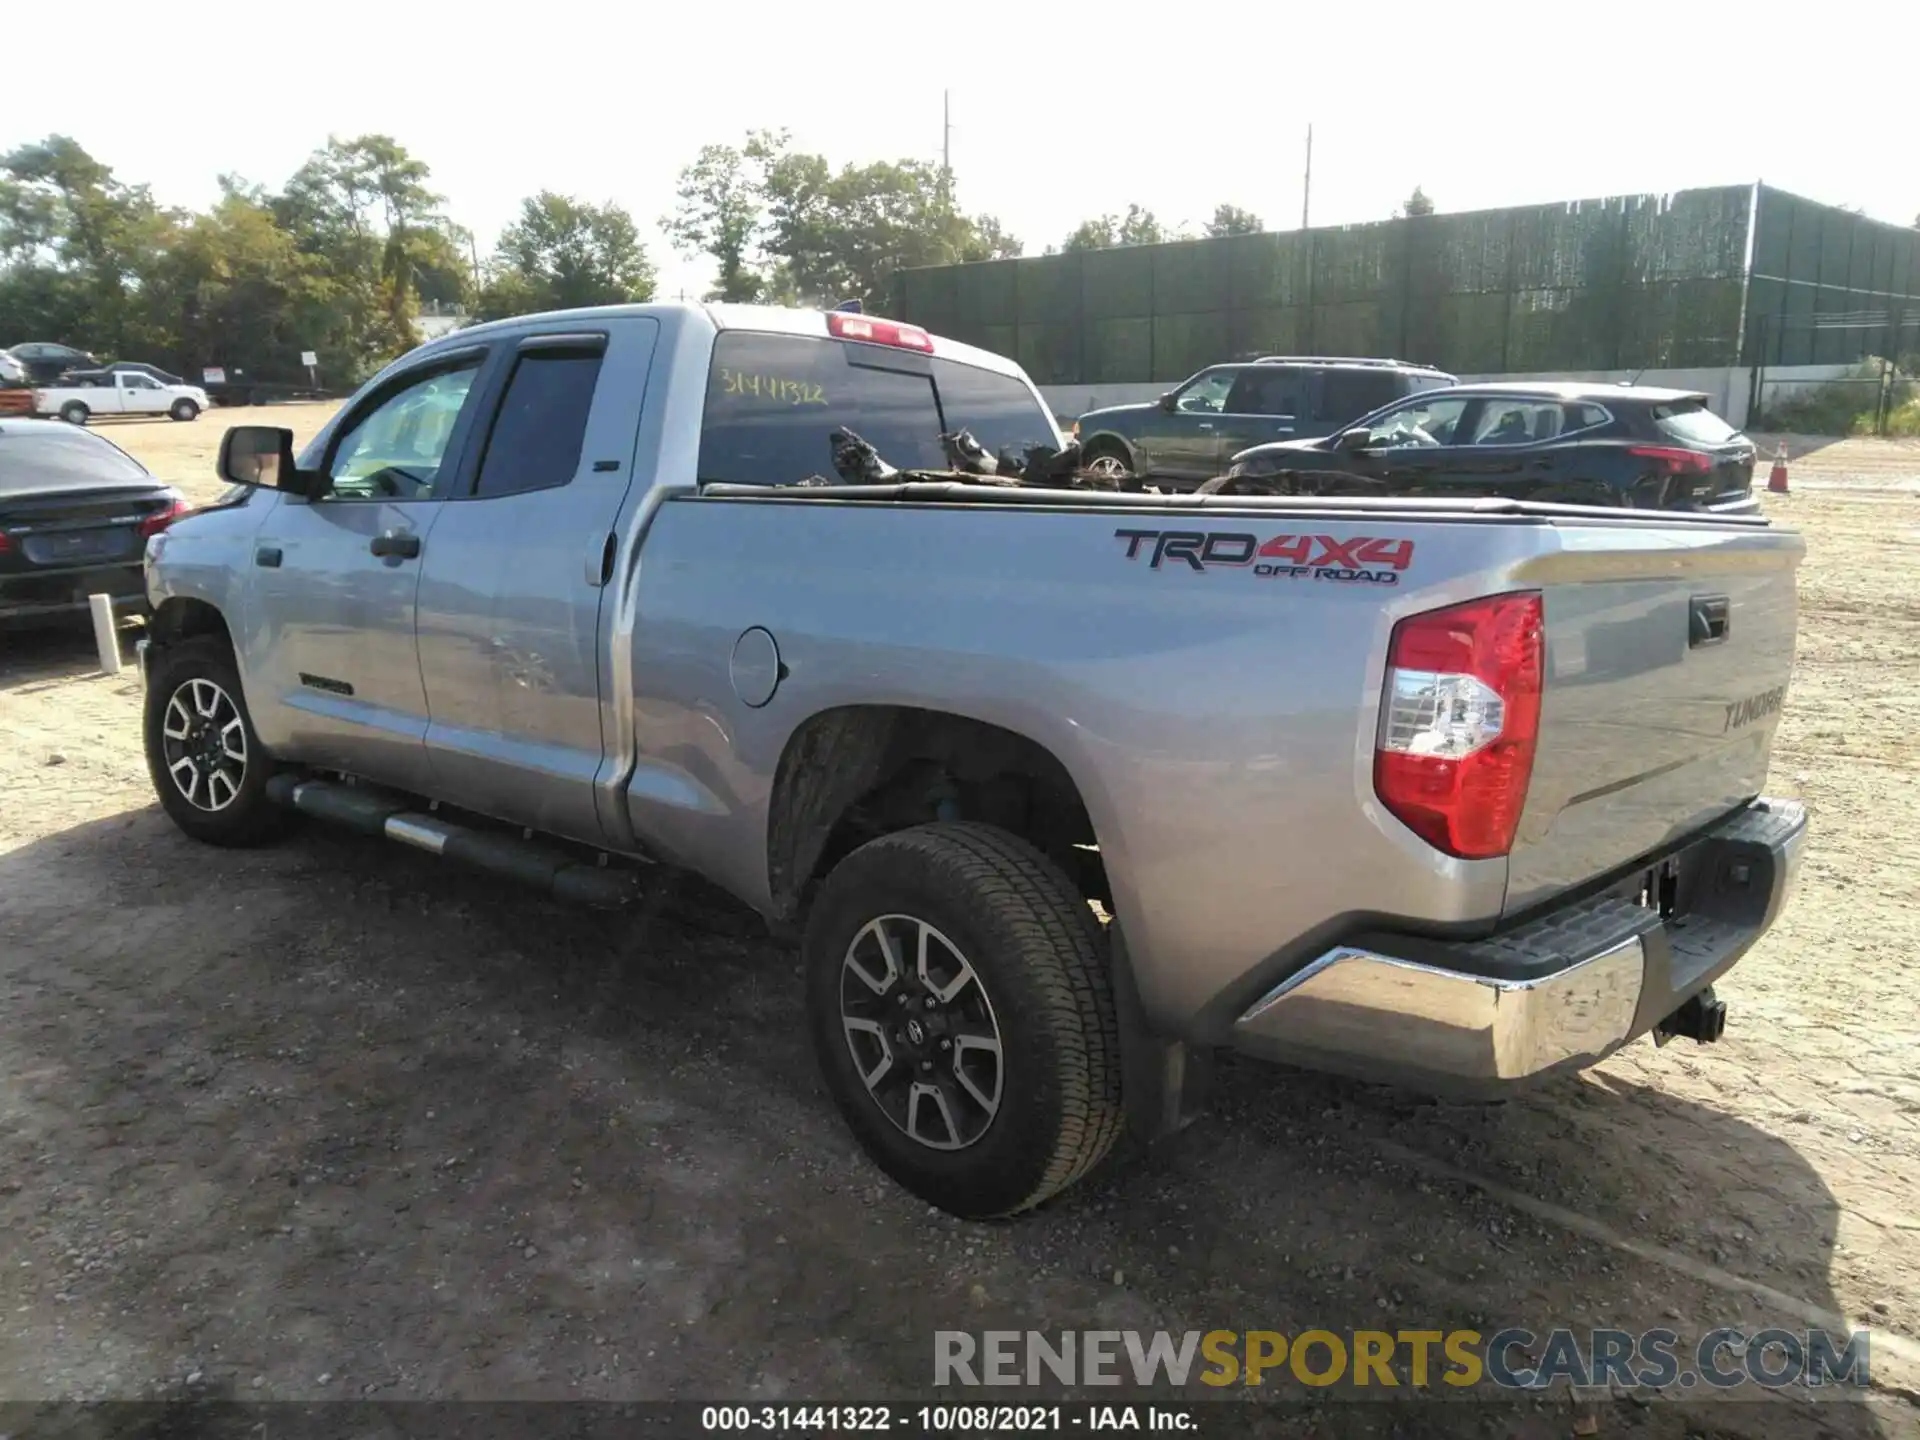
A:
<point x="1631" y="446"/>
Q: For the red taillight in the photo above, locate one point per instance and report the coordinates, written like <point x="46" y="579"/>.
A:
<point x="155" y="523"/>
<point x="1459" y="720"/>
<point x="6" y="542"/>
<point x="1673" y="460"/>
<point x="843" y="325"/>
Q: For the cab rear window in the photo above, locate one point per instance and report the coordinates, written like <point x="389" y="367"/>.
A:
<point x="1694" y="423"/>
<point x="774" y="401"/>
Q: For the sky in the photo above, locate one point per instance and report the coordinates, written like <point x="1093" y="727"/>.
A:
<point x="1058" y="112"/>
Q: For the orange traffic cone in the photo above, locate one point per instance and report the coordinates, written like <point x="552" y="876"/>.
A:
<point x="1777" y="477"/>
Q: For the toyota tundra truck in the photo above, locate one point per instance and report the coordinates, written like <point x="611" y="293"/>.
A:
<point x="1062" y="792"/>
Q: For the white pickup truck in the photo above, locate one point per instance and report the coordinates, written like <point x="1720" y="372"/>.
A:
<point x="77" y="398"/>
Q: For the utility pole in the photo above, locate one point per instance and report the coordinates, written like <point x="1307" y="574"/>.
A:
<point x="946" y="142"/>
<point x="1306" y="187"/>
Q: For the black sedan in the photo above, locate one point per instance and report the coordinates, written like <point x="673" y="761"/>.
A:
<point x="75" y="514"/>
<point x="104" y="373"/>
<point x="1563" y="442"/>
<point x="46" y="362"/>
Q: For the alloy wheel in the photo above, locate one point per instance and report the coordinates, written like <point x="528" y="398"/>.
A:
<point x="205" y="744"/>
<point x="921" y="1031"/>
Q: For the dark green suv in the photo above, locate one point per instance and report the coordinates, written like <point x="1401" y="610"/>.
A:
<point x="1192" y="432"/>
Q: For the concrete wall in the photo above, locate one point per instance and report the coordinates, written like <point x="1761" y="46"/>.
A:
<point x="1727" y="388"/>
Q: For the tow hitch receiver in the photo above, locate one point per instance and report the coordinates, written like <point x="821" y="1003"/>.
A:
<point x="1702" y="1019"/>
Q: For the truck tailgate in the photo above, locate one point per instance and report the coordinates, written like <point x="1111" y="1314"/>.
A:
<point x="1667" y="662"/>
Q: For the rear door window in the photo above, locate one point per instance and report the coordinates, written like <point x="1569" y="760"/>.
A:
<point x="1348" y="394"/>
<point x="542" y="423"/>
<point x="1265" y="392"/>
<point x="1516" y="421"/>
<point x="774" y="401"/>
<point x="1694" y="423"/>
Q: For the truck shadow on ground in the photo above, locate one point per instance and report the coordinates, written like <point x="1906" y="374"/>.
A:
<point x="330" y="1119"/>
<point x="47" y="651"/>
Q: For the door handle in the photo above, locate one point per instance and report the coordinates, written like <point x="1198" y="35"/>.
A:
<point x="403" y="544"/>
<point x="600" y="561"/>
<point x="268" y="556"/>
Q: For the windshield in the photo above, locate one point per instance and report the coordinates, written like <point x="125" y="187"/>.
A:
<point x="773" y="401"/>
<point x="1693" y="422"/>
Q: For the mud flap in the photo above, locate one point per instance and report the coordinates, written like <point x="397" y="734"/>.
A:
<point x="1164" y="1083"/>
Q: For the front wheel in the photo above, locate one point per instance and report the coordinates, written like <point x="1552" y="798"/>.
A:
<point x="1106" y="462"/>
<point x="184" y="410"/>
<point x="963" y="1018"/>
<point x="208" y="768"/>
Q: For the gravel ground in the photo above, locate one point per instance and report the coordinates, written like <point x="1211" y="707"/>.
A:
<point x="331" y="1120"/>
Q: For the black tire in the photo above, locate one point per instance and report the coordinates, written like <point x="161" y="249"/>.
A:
<point x="1040" y="962"/>
<point x="242" y="817"/>
<point x="184" y="410"/>
<point x="75" y="413"/>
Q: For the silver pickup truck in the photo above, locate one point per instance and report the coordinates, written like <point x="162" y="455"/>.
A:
<point x="1063" y="792"/>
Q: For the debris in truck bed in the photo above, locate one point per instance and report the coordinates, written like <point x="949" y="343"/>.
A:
<point x="856" y="461"/>
<point x="966" y="454"/>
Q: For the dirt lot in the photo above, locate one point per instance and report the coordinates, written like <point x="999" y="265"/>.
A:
<point x="332" y="1120"/>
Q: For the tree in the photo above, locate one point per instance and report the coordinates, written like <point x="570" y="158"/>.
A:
<point x="1417" y="204"/>
<point x="843" y="234"/>
<point x="1101" y="233"/>
<point x="990" y="240"/>
<point x="80" y="245"/>
<point x="365" y="209"/>
<point x="1139" y="226"/>
<point x="722" y="212"/>
<point x="1232" y="220"/>
<point x="241" y="294"/>
<point x="563" y="253"/>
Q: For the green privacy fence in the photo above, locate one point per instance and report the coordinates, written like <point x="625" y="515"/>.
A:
<point x="1829" y="287"/>
<point x="1627" y="281"/>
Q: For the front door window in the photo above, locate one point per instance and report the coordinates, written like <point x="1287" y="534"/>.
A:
<point x="1207" y="394"/>
<point x="1421" y="423"/>
<point x="394" y="451"/>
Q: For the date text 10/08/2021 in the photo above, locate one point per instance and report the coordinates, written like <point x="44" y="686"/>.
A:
<point x="944" y="1419"/>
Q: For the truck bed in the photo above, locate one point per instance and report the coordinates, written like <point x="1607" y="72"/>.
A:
<point x="1217" y="710"/>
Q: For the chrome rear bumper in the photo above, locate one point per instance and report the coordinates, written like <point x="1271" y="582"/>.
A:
<point x="1562" y="991"/>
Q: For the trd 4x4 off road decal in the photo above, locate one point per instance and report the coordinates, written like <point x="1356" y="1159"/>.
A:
<point x="1357" y="560"/>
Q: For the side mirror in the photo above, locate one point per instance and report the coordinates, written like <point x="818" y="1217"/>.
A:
<point x="1357" y="438"/>
<point x="262" y="455"/>
<point x="1168" y="403"/>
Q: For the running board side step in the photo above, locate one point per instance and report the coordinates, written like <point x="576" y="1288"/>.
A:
<point x="508" y="856"/>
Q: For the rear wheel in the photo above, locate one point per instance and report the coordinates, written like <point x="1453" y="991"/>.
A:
<point x="963" y="1018"/>
<point x="75" y="413"/>
<point x="184" y="410"/>
<point x="208" y="768"/>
